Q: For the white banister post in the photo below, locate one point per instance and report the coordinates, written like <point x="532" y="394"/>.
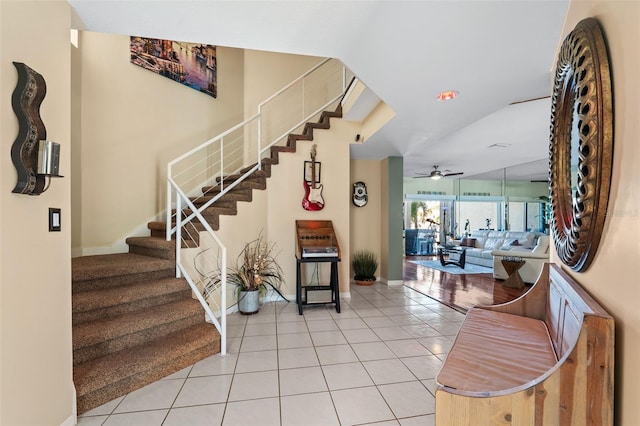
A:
<point x="168" y="230"/>
<point x="259" y="136"/>
<point x="178" y="233"/>
<point x="221" y="164"/>
<point x="303" y="96"/>
<point x="223" y="304"/>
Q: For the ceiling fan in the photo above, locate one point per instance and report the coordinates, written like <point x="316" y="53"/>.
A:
<point x="437" y="174"/>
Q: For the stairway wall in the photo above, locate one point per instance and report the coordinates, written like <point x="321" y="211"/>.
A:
<point x="285" y="192"/>
<point x="275" y="210"/>
<point x="129" y="123"/>
<point x="235" y="231"/>
<point x="36" y="385"/>
<point x="367" y="218"/>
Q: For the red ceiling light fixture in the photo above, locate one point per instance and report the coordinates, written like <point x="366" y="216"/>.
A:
<point x="447" y="95"/>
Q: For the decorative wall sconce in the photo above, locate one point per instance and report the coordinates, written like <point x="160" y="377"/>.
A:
<point x="34" y="157"/>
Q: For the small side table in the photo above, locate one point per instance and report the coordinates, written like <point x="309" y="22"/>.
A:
<point x="511" y="265"/>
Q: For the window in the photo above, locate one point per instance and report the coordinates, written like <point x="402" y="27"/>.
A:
<point x="480" y="214"/>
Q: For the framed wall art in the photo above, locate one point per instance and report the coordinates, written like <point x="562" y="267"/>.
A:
<point x="191" y="64"/>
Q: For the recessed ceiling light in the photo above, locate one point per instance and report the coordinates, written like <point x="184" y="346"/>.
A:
<point x="447" y="95"/>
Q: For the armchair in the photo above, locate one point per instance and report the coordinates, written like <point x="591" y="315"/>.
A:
<point x="534" y="257"/>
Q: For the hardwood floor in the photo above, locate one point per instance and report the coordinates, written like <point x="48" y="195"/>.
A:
<point x="457" y="291"/>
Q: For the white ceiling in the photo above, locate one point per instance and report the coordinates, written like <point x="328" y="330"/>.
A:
<point x="495" y="53"/>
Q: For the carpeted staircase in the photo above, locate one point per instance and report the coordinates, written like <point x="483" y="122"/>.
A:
<point x="133" y="321"/>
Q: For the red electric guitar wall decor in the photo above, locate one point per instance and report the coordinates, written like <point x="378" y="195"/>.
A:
<point x="312" y="200"/>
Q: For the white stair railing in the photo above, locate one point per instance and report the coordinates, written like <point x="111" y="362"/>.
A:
<point x="200" y="177"/>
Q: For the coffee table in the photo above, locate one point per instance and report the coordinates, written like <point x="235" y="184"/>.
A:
<point x="461" y="251"/>
<point x="511" y="266"/>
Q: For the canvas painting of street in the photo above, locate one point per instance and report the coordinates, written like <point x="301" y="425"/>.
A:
<point x="191" y="64"/>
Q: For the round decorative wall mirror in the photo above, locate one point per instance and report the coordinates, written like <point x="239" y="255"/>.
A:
<point x="581" y="145"/>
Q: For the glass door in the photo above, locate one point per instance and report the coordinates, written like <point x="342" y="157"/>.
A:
<point x="423" y="226"/>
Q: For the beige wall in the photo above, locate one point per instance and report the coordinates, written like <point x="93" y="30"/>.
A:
<point x="286" y="192"/>
<point x="613" y="276"/>
<point x="35" y="272"/>
<point x="366" y="227"/>
<point x="267" y="72"/>
<point x="131" y="120"/>
<point x="132" y="123"/>
<point x="235" y="231"/>
<point x="273" y="212"/>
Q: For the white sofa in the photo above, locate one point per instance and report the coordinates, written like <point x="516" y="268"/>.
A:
<point x="481" y="244"/>
<point x="534" y="257"/>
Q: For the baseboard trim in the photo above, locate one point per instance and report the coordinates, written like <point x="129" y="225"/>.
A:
<point x="72" y="420"/>
<point x="271" y="296"/>
<point x="119" y="246"/>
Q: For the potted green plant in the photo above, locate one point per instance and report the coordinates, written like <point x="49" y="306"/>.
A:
<point x="255" y="270"/>
<point x="364" y="264"/>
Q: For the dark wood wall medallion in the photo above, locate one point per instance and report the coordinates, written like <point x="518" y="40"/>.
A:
<point x="581" y="145"/>
<point x="26" y="100"/>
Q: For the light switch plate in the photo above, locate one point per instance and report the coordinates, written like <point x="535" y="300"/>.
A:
<point x="55" y="217"/>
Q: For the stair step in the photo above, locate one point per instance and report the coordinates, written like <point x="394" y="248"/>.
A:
<point x="215" y="210"/>
<point x="247" y="184"/>
<point x="257" y="174"/>
<point x="238" y="193"/>
<point x="201" y="200"/>
<point x="108" y="303"/>
<point x="229" y="199"/>
<point x="110" y="270"/>
<point x="99" y="338"/>
<point x="211" y="214"/>
<point x="104" y="379"/>
<point x="292" y="140"/>
<point x="190" y="231"/>
<point x="160" y="228"/>
<point x="190" y="236"/>
<point x="277" y="148"/>
<point x="152" y="246"/>
<point x="266" y="170"/>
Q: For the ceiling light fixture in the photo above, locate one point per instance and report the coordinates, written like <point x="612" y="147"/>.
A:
<point x="447" y="95"/>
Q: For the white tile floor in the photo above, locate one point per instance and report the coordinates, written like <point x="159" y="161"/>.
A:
<point x="374" y="363"/>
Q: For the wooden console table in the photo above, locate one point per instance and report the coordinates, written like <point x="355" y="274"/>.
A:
<point x="511" y="266"/>
<point x="316" y="242"/>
